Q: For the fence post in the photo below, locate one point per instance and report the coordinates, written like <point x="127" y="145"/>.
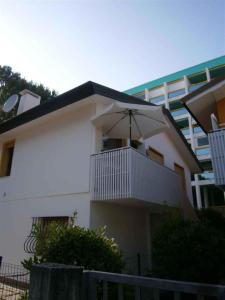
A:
<point x="139" y="263"/>
<point x="55" y="282"/>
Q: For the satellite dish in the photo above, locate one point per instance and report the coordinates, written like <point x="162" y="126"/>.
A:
<point x="10" y="103"/>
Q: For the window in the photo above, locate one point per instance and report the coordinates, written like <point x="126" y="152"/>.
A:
<point x="110" y="144"/>
<point x="157" y="99"/>
<point x="203" y="141"/>
<point x="46" y="221"/>
<point x="197" y="78"/>
<point x="180" y="171"/>
<point x="194" y="87"/>
<point x="6" y="159"/>
<point x="207" y="165"/>
<point x="176" y="93"/>
<point x="206" y="175"/>
<point x="202" y="152"/>
<point x="136" y="144"/>
<point x="218" y="71"/>
<point x="30" y="242"/>
<point x="140" y="96"/>
<point x="155" y="155"/>
<point x="175" y="105"/>
<point x="182" y="123"/>
<point x="185" y="131"/>
<point x="179" y="112"/>
<point x="197" y="130"/>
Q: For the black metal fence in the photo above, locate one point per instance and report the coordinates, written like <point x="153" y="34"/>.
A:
<point x="14" y="282"/>
<point x="138" y="264"/>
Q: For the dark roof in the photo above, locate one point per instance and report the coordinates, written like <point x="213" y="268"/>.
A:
<point x="203" y="88"/>
<point x="167" y="112"/>
<point x="85" y="90"/>
<point x="198" y="92"/>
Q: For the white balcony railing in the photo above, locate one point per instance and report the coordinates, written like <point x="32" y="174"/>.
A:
<point x="127" y="174"/>
<point x="217" y="146"/>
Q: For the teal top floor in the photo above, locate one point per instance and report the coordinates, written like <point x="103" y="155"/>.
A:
<point x="178" y="75"/>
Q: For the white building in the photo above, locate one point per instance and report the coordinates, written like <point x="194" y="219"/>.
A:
<point x="52" y="165"/>
<point x="207" y="105"/>
<point x="168" y="91"/>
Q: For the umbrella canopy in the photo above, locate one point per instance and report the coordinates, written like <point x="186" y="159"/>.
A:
<point x="133" y="121"/>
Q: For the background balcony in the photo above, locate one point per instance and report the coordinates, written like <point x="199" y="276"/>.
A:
<point x="125" y="173"/>
<point x="217" y="146"/>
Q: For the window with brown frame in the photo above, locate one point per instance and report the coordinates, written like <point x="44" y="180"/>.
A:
<point x="155" y="155"/>
<point x="6" y="158"/>
<point x="180" y="171"/>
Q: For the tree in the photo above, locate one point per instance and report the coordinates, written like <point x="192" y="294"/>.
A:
<point x="74" y="245"/>
<point x="191" y="250"/>
<point x="12" y="83"/>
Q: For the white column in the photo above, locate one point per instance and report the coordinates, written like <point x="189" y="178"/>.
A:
<point x="147" y="95"/>
<point x="186" y="84"/>
<point x="207" y="74"/>
<point x="198" y="192"/>
<point x="166" y="95"/>
<point x="191" y="132"/>
<point x="197" y="187"/>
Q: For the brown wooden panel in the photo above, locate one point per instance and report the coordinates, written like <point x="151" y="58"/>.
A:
<point x="180" y="170"/>
<point x="221" y="112"/>
<point x="155" y="155"/>
<point x="6" y="158"/>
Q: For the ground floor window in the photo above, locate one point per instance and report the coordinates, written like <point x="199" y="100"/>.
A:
<point x="44" y="222"/>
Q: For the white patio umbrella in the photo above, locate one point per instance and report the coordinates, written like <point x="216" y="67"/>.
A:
<point x="133" y="121"/>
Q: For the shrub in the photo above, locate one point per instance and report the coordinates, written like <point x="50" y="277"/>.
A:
<point x="191" y="250"/>
<point x="74" y="245"/>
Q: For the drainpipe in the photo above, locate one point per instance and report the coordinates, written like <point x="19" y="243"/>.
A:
<point x="130" y="115"/>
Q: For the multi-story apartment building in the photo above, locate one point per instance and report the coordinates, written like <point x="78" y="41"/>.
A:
<point x="168" y="91"/>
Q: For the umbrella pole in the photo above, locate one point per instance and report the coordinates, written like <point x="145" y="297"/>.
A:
<point x="130" y="115"/>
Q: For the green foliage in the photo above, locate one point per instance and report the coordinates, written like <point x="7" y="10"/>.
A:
<point x="191" y="250"/>
<point x="11" y="83"/>
<point x="25" y="296"/>
<point x="28" y="263"/>
<point x="74" y="245"/>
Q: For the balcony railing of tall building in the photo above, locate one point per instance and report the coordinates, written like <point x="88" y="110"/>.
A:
<point x="217" y="146"/>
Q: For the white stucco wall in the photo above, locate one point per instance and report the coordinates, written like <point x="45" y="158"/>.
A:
<point x="53" y="158"/>
<point x="49" y="177"/>
<point x="16" y="219"/>
<point x="129" y="226"/>
<point x="164" y="145"/>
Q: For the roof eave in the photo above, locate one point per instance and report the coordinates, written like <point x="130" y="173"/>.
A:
<point x="198" y="165"/>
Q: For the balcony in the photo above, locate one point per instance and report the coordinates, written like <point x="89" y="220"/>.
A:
<point x="217" y="146"/>
<point x="126" y="175"/>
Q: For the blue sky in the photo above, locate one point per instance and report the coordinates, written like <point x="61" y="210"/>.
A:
<point x="116" y="43"/>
